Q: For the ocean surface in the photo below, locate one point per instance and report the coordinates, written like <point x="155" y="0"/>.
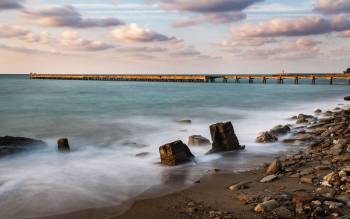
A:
<point x="108" y="123"/>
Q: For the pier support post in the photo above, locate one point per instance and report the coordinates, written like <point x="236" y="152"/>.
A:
<point x="224" y="80"/>
<point x="237" y="80"/>
<point x="251" y="80"/>
<point x="296" y="80"/>
<point x="313" y="81"/>
<point x="264" y="80"/>
<point x="331" y="80"/>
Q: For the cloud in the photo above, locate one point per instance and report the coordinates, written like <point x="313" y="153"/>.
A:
<point x="8" y="31"/>
<point x="192" y="53"/>
<point x="245" y="42"/>
<point x="134" y="33"/>
<point x="298" y="49"/>
<point x="207" y="6"/>
<point x="332" y="6"/>
<point x="215" y="18"/>
<point x="29" y="50"/>
<point x="73" y="41"/>
<point x="20" y="33"/>
<point x="10" y="4"/>
<point x="300" y="27"/>
<point x="212" y="11"/>
<point x="66" y="16"/>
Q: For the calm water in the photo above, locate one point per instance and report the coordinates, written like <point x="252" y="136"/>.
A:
<point x="108" y="123"/>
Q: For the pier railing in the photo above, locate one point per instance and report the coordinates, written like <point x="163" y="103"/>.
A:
<point x="279" y="78"/>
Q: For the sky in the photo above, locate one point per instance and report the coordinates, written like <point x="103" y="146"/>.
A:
<point x="174" y="36"/>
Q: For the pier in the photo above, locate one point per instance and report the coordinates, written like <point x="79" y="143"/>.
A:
<point x="235" y="78"/>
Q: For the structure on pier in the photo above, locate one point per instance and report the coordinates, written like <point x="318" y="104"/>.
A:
<point x="280" y="78"/>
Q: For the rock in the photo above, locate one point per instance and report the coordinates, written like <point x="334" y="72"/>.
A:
<point x="347" y="98"/>
<point x="184" y="121"/>
<point x="224" y="138"/>
<point x="333" y="205"/>
<point x="63" y="145"/>
<point x="282" y="213"/>
<point x="280" y="130"/>
<point x="301" y="197"/>
<point x="175" y="153"/>
<point x="10" y="145"/>
<point x="266" y="206"/>
<point x="274" y="167"/>
<point x="239" y="186"/>
<point x="266" y="137"/>
<point x="268" y="178"/>
<point x="143" y="154"/>
<point x="318" y="111"/>
<point x="307" y="180"/>
<point x="197" y="140"/>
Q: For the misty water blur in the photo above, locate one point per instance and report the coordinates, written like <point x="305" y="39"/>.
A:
<point x="109" y="123"/>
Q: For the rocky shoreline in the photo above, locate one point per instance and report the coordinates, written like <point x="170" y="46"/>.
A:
<point x="311" y="183"/>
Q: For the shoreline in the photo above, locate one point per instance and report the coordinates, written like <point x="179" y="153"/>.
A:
<point x="300" y="186"/>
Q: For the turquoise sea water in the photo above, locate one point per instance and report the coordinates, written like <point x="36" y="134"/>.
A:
<point x="108" y="123"/>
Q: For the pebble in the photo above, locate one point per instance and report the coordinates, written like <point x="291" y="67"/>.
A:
<point x="268" y="178"/>
<point x="239" y="186"/>
<point x="266" y="206"/>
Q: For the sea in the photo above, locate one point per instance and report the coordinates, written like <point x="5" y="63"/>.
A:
<point x="109" y="123"/>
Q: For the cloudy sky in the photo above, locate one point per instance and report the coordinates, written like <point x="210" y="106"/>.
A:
<point x="174" y="36"/>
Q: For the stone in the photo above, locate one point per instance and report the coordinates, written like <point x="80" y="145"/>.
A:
<point x="347" y="98"/>
<point x="63" y="145"/>
<point x="224" y="138"/>
<point x="318" y="111"/>
<point x="301" y="197"/>
<point x="268" y="178"/>
<point x="307" y="179"/>
<point x="333" y="205"/>
<point x="11" y="145"/>
<point x="266" y="137"/>
<point x="184" y="121"/>
<point x="175" y="153"/>
<point x="266" y="206"/>
<point x="280" y="130"/>
<point x="274" y="167"/>
<point x="142" y="154"/>
<point x="282" y="213"/>
<point x="239" y="186"/>
<point x="197" y="140"/>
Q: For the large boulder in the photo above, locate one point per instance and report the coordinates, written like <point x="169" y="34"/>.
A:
<point x="347" y="98"/>
<point x="224" y="138"/>
<point x="266" y="137"/>
<point x="280" y="130"/>
<point x="63" y="145"/>
<point x="175" y="153"/>
<point x="10" y="145"/>
<point x="197" y="140"/>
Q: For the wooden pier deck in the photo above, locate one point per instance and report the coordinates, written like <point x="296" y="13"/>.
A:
<point x="263" y="78"/>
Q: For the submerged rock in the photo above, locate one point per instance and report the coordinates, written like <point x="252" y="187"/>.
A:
<point x="318" y="111"/>
<point x="280" y="130"/>
<point x="266" y="137"/>
<point x="63" y="145"/>
<point x="184" y="121"/>
<point x="198" y="140"/>
<point x="10" y="145"/>
<point x="224" y="138"/>
<point x="175" y="153"/>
